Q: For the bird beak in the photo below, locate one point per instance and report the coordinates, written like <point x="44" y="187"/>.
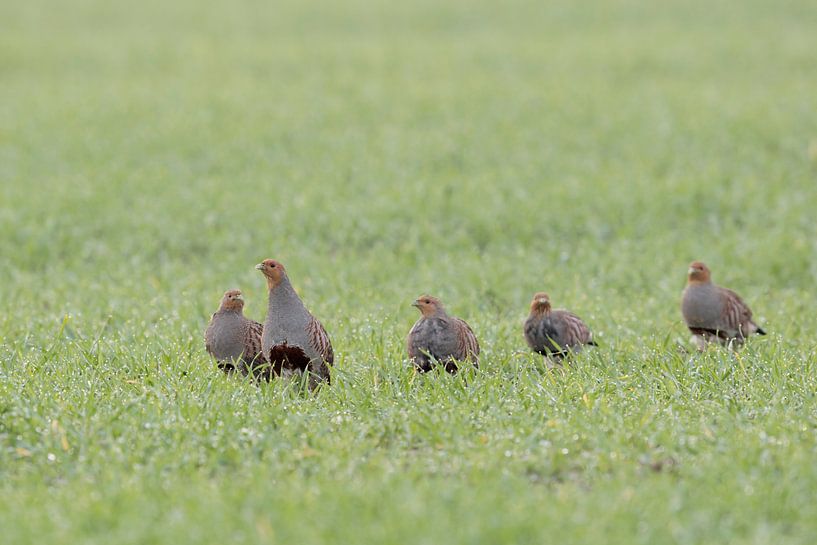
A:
<point x="691" y="270"/>
<point x="542" y="301"/>
<point x="416" y="304"/>
<point x="239" y="298"/>
<point x="259" y="267"/>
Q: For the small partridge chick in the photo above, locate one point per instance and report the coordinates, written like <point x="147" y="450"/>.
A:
<point x="554" y="333"/>
<point x="438" y="337"/>
<point x="713" y="313"/>
<point x="293" y="341"/>
<point x="233" y="339"/>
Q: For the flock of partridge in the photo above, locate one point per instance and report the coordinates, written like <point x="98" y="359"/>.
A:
<point x="292" y="342"/>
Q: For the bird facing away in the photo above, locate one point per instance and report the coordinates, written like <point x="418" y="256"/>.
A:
<point x="554" y="334"/>
<point x="713" y="313"/>
<point x="436" y="336"/>
<point x="293" y="341"/>
<point x="233" y="339"/>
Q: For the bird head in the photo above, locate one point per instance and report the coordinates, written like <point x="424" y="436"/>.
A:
<point x="540" y="303"/>
<point x="273" y="271"/>
<point x="428" y="305"/>
<point x="232" y="300"/>
<point x="698" y="273"/>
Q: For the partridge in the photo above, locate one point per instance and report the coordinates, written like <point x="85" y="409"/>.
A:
<point x="293" y="341"/>
<point x="554" y="333"/>
<point x="438" y="337"/>
<point x="233" y="339"/>
<point x="713" y="313"/>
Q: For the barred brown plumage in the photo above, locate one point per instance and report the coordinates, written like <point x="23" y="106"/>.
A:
<point x="233" y="339"/>
<point x="320" y="340"/>
<point x="554" y="333"/>
<point x="293" y="340"/>
<point x="438" y="337"/>
<point x="713" y="313"/>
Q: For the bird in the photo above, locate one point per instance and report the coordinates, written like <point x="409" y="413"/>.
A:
<point x="293" y="341"/>
<point x="554" y="334"/>
<point x="438" y="337"/>
<point x="713" y="313"/>
<point x="231" y="338"/>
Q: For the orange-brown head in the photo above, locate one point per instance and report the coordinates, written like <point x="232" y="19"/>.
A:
<point x="232" y="300"/>
<point x="540" y="304"/>
<point x="428" y="305"/>
<point x="698" y="273"/>
<point x="273" y="270"/>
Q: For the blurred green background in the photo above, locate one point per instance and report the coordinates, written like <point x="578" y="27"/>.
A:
<point x="152" y="154"/>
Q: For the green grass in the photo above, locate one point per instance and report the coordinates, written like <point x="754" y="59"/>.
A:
<point x="150" y="156"/>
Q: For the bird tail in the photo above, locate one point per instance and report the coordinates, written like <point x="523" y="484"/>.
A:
<point x="760" y="331"/>
<point x="592" y="343"/>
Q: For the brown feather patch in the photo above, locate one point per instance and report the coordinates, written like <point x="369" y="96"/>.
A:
<point x="703" y="332"/>
<point x="293" y="357"/>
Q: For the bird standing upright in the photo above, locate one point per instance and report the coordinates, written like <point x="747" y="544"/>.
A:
<point x="292" y="340"/>
<point x="713" y="313"/>
<point x="232" y="338"/>
<point x="554" y="333"/>
<point x="436" y="336"/>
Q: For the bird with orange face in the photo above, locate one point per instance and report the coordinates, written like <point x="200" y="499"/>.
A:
<point x="713" y="313"/>
<point x="233" y="339"/>
<point x="554" y="333"/>
<point x="293" y="341"/>
<point x="439" y="338"/>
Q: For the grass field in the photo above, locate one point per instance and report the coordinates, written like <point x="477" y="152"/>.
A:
<point x="152" y="153"/>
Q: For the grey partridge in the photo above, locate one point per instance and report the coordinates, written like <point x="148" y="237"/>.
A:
<point x="233" y="339"/>
<point x="713" y="313"/>
<point x="438" y="337"/>
<point x="293" y="341"/>
<point x="554" y="333"/>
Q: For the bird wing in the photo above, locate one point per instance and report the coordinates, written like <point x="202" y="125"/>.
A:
<point x="737" y="315"/>
<point x="467" y="344"/>
<point x="207" y="334"/>
<point x="575" y="331"/>
<point x="411" y="346"/>
<point x="320" y="340"/>
<point x="529" y="330"/>
<point x="252" y="342"/>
